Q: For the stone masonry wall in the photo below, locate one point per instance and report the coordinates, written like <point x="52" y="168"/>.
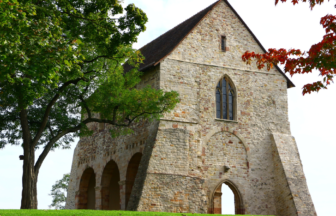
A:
<point x="71" y="192"/>
<point x="186" y="154"/>
<point x="168" y="187"/>
<point x="293" y="199"/>
<point x="194" y="69"/>
<point x="100" y="148"/>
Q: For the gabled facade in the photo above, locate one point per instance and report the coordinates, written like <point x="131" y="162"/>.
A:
<point x="230" y="127"/>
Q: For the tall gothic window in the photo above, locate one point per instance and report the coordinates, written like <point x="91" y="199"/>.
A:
<point x="225" y="99"/>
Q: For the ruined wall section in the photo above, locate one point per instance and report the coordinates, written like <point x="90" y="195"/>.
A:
<point x="253" y="127"/>
<point x="292" y="197"/>
<point x="183" y="166"/>
<point x="97" y="150"/>
<point x="138" y="187"/>
<point x="171" y="184"/>
<point x="194" y="69"/>
<point x="283" y="196"/>
<point x="71" y="192"/>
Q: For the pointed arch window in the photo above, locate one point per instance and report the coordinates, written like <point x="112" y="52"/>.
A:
<point x="225" y="99"/>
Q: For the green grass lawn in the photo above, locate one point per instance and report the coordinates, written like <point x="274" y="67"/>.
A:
<point x="90" y="212"/>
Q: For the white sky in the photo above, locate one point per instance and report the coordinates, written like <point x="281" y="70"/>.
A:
<point x="312" y="116"/>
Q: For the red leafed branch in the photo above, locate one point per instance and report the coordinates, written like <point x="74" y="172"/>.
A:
<point x="321" y="56"/>
<point x="312" y="2"/>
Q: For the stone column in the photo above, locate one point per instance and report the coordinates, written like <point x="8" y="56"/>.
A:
<point x="122" y="185"/>
<point x="218" y="201"/>
<point x="98" y="192"/>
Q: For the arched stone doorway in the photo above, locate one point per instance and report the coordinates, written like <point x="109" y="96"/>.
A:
<point x="86" y="198"/>
<point x="217" y="199"/>
<point x="132" y="171"/>
<point x="110" y="191"/>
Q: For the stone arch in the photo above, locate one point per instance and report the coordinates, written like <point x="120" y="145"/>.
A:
<point x="86" y="195"/>
<point x="225" y="76"/>
<point x="217" y="130"/>
<point x="215" y="198"/>
<point x="235" y="89"/>
<point x="110" y="189"/>
<point x="225" y="148"/>
<point x="131" y="173"/>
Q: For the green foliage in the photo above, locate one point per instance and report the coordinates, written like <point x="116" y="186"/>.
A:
<point x="61" y="58"/>
<point x="58" y="192"/>
<point x="93" y="213"/>
<point x="61" y="68"/>
<point x="44" y="43"/>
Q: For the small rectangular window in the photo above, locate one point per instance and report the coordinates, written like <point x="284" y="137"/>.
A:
<point x="223" y="43"/>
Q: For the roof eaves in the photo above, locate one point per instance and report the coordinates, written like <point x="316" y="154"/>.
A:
<point x="147" y="66"/>
<point x="214" y="5"/>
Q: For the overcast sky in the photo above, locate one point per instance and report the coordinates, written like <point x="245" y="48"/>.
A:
<point x="312" y="117"/>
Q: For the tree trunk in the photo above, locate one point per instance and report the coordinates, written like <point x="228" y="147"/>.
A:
<point x="29" y="181"/>
<point x="29" y="177"/>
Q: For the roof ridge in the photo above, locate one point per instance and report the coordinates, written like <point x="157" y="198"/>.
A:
<point x="181" y="23"/>
<point x="159" y="48"/>
<point x="156" y="50"/>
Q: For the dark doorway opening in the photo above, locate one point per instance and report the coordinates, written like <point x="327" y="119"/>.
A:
<point x="87" y="195"/>
<point x="132" y="171"/>
<point x="110" y="187"/>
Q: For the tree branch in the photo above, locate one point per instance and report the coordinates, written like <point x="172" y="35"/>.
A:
<point x="78" y="127"/>
<point x="85" y="106"/>
<point x="50" y="130"/>
<point x="48" y="109"/>
<point x="50" y="145"/>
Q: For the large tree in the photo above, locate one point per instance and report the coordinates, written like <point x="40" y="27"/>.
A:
<point x="61" y="68"/>
<point x="321" y="56"/>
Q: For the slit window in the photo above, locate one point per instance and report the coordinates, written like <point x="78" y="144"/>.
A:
<point x="223" y="43"/>
<point x="225" y="100"/>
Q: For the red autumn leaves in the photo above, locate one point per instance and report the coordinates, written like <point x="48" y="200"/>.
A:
<point x="321" y="56"/>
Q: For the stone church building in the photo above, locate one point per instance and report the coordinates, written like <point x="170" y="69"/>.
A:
<point x="231" y="126"/>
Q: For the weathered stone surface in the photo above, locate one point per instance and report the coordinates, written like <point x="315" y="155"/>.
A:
<point x="291" y="186"/>
<point x="184" y="155"/>
<point x="173" y="193"/>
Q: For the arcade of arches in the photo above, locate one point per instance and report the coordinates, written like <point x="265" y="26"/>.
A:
<point x="109" y="193"/>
